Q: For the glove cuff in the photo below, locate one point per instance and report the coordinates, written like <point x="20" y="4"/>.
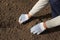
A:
<point x="27" y="16"/>
<point x="42" y="26"/>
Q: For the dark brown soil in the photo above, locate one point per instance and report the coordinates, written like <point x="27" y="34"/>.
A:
<point x="10" y="29"/>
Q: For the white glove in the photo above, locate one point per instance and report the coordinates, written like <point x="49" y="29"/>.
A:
<point x="23" y="18"/>
<point x="37" y="29"/>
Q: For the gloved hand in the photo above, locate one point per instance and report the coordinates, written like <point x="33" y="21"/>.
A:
<point x="37" y="29"/>
<point x="23" y="18"/>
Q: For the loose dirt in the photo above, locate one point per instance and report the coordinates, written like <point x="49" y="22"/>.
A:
<point x="10" y="29"/>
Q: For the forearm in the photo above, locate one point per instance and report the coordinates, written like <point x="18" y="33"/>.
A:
<point x="38" y="6"/>
<point x="53" y="22"/>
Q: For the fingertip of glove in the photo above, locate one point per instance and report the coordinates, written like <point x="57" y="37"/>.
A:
<point x="19" y="22"/>
<point x="38" y="33"/>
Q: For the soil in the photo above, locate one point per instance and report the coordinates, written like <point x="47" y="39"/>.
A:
<point x="10" y="29"/>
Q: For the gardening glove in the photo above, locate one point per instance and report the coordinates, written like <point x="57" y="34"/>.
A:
<point x="23" y="18"/>
<point x="37" y="29"/>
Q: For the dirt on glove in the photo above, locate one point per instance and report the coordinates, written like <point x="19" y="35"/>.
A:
<point x="10" y="29"/>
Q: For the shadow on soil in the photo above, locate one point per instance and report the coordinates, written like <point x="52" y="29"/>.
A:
<point x="51" y="30"/>
<point x="38" y="17"/>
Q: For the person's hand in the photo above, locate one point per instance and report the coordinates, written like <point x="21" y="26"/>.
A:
<point x="24" y="17"/>
<point x="37" y="29"/>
